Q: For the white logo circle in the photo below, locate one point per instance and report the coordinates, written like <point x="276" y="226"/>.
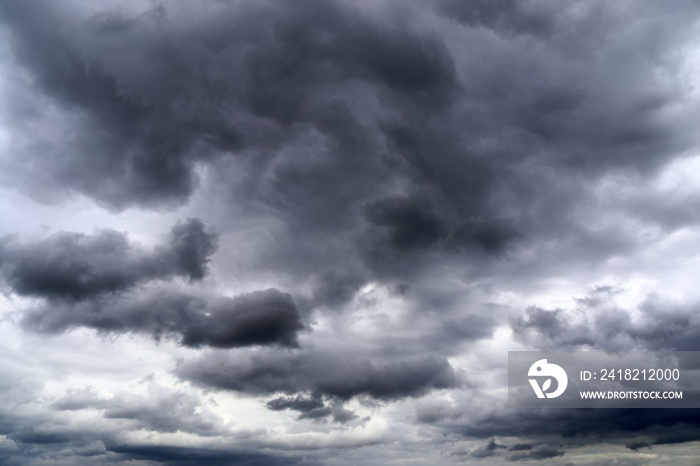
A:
<point x="543" y="369"/>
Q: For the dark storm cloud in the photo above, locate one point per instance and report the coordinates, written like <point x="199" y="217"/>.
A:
<point x="268" y="317"/>
<point x="131" y="149"/>
<point x="598" y="324"/>
<point x="83" y="446"/>
<point x="335" y="375"/>
<point x="262" y="317"/>
<point x="521" y="447"/>
<point x="636" y="446"/>
<point x="379" y="143"/>
<point x="538" y="453"/>
<point x="564" y="428"/>
<point x="75" y="267"/>
<point x="89" y="447"/>
<point x="311" y="407"/>
<point x="508" y="18"/>
<point x="226" y="87"/>
<point x="669" y="438"/>
<point x="31" y="436"/>
<point x="190" y="456"/>
<point x="410" y="223"/>
<point x="297" y="403"/>
<point x="87" y="281"/>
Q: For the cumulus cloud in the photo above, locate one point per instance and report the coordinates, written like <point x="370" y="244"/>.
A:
<point x="312" y="407"/>
<point x="267" y="317"/>
<point x="88" y="281"/>
<point x="74" y="267"/>
<point x="321" y="373"/>
<point x="598" y="323"/>
<point x="161" y="409"/>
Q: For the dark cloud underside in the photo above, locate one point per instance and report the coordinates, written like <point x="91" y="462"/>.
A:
<point x="335" y="375"/>
<point x="87" y="281"/>
<point x="268" y="317"/>
<point x="188" y="456"/>
<point x="75" y="267"/>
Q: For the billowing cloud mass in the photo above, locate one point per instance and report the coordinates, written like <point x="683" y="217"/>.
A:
<point x="660" y="325"/>
<point x="258" y="318"/>
<point x="335" y="375"/>
<point x="75" y="267"/>
<point x="309" y="232"/>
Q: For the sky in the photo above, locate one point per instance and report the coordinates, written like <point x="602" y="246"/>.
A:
<point x="308" y="233"/>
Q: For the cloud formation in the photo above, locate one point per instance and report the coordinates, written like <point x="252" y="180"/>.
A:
<point x="268" y="317"/>
<point x="401" y="192"/>
<point x="320" y="373"/>
<point x="75" y="267"/>
<point x="597" y="323"/>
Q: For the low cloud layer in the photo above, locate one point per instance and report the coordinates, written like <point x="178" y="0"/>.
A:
<point x="333" y="374"/>
<point x="268" y="317"/>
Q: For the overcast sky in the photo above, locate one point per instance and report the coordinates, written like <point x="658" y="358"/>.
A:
<point x="308" y="232"/>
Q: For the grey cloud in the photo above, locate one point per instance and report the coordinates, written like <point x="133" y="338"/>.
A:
<point x="672" y="438"/>
<point x="268" y="317"/>
<point x="74" y="267"/>
<point x="382" y="147"/>
<point x="599" y="324"/>
<point x="161" y="410"/>
<point x="581" y="426"/>
<point x="540" y="452"/>
<point x="262" y="317"/>
<point x="87" y="447"/>
<point x="34" y="434"/>
<point x="312" y="407"/>
<point x="128" y="147"/>
<point x="410" y="222"/>
<point x="191" y="456"/>
<point x="81" y="398"/>
<point x="433" y="411"/>
<point x="521" y="447"/>
<point x="174" y="413"/>
<point x="490" y="449"/>
<point x="636" y="446"/>
<point x="155" y="126"/>
<point x="297" y="403"/>
<point x="434" y="329"/>
<point x="492" y="236"/>
<point x="553" y="433"/>
<point x="504" y="16"/>
<point x="192" y="246"/>
<point x="331" y="374"/>
<point x="336" y="287"/>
